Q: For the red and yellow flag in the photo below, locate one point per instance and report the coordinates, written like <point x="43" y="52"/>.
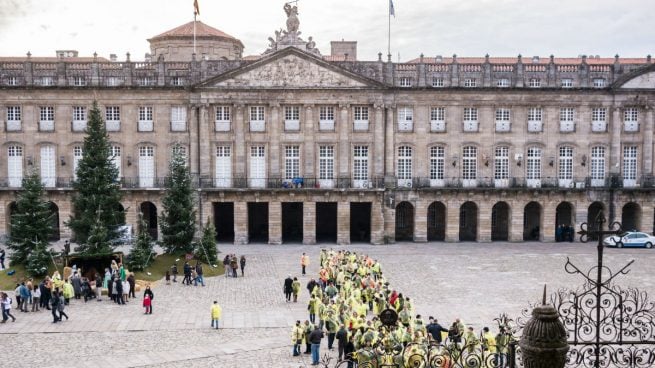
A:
<point x="196" y="8"/>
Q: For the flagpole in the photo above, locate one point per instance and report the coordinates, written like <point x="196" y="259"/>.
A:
<point x="389" y="35"/>
<point x="194" y="31"/>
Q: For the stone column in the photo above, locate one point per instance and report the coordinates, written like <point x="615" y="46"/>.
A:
<point x="547" y="230"/>
<point x="421" y="221"/>
<point x="240" y="222"/>
<point x="516" y="222"/>
<point x="389" y="224"/>
<point x="484" y="219"/>
<point x="343" y="222"/>
<point x="648" y="142"/>
<point x="310" y="150"/>
<point x="273" y="131"/>
<point x="647" y="219"/>
<point x="193" y="141"/>
<point x="203" y="149"/>
<point x="615" y="147"/>
<point x="240" y="143"/>
<point x="309" y="223"/>
<point x="379" y="148"/>
<point x="390" y="148"/>
<point x="345" y="127"/>
<point x="275" y="222"/>
<point x="452" y="221"/>
<point x="377" y="221"/>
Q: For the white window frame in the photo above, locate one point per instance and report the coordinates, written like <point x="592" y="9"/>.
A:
<point x="469" y="166"/>
<point x="291" y="162"/>
<point x="599" y="119"/>
<point x="470" y="82"/>
<point x="326" y="166"/>
<point x="360" y="167"/>
<point x="630" y="166"/>
<point x="566" y="120"/>
<point x="77" y="157"/>
<point x="502" y="83"/>
<point x="46" y="118"/>
<point x="535" y="119"/>
<point x="79" y="118"/>
<point x="533" y="167"/>
<point x="145" y="123"/>
<point x="113" y="118"/>
<point x="599" y="82"/>
<point x="116" y="159"/>
<point x="566" y="83"/>
<point x="222" y="118"/>
<point x="631" y="119"/>
<point x="503" y="123"/>
<point x="438" y="119"/>
<point x="146" y="174"/>
<point x="405" y="82"/>
<point x="79" y="81"/>
<point x="404" y="166"/>
<point x="326" y="118"/>
<point x="15" y="166"/>
<point x="534" y="83"/>
<point x="437" y="166"/>
<point x="292" y="118"/>
<point x="597" y="166"/>
<point x="223" y="166"/>
<point x="257" y="164"/>
<point x="48" y="165"/>
<point x="437" y="82"/>
<point x="501" y="167"/>
<point x="14" y="116"/>
<point x="470" y="119"/>
<point x="257" y="118"/>
<point x="360" y="118"/>
<point x="565" y="167"/>
<point x="405" y="119"/>
<point x="178" y="118"/>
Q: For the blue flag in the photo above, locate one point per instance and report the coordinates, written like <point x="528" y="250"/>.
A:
<point x="392" y="11"/>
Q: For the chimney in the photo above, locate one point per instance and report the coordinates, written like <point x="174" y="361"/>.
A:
<point x="113" y="58"/>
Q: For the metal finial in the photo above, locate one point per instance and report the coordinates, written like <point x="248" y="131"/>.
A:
<point x="544" y="300"/>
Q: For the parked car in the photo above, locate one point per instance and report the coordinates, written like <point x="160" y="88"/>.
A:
<point x="630" y="239"/>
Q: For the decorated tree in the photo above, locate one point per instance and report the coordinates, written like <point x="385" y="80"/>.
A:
<point x="31" y="222"/>
<point x="97" y="242"/>
<point x="97" y="187"/>
<point x="39" y="259"/>
<point x="142" y="254"/>
<point x="178" y="218"/>
<point x="206" y="247"/>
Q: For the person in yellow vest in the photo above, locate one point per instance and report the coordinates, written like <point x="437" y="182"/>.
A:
<point x="216" y="312"/>
<point x="295" y="289"/>
<point x="297" y="337"/>
<point x="68" y="292"/>
<point x="304" y="262"/>
<point x="502" y="345"/>
<point x="488" y="344"/>
<point x="471" y="341"/>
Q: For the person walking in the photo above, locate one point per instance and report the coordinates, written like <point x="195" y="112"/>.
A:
<point x="68" y="292"/>
<point x="61" y="307"/>
<point x="36" y="298"/>
<point x="199" y="274"/>
<point x="226" y="265"/>
<point x="315" y="339"/>
<point x="132" y="282"/>
<point x="24" y="297"/>
<point x="242" y="263"/>
<point x="2" y="258"/>
<point x="342" y="339"/>
<point x="5" y="302"/>
<point x="187" y="274"/>
<point x="288" y="288"/>
<point x="151" y="295"/>
<point x="234" y="264"/>
<point x="435" y="330"/>
<point x="174" y="272"/>
<point x="295" y="288"/>
<point x="304" y="262"/>
<point x="98" y="289"/>
<point x="297" y="335"/>
<point x="216" y="312"/>
<point x="54" y="305"/>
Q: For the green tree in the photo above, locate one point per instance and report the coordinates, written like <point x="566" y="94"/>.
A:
<point x="142" y="253"/>
<point x="97" y="187"/>
<point x="39" y="259"/>
<point x="178" y="218"/>
<point x="206" y="247"/>
<point x="97" y="242"/>
<point x="32" y="221"/>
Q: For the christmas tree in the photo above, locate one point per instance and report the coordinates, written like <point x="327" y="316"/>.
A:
<point x="178" y="218"/>
<point x="39" y="259"/>
<point x="31" y="223"/>
<point x="206" y="248"/>
<point x="97" y="242"/>
<point x="142" y="254"/>
<point x="97" y="188"/>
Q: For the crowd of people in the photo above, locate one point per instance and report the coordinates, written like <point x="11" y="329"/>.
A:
<point x="232" y="263"/>
<point x="192" y="274"/>
<point x="345" y="303"/>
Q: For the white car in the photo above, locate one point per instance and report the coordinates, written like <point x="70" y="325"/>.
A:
<point x="630" y="239"/>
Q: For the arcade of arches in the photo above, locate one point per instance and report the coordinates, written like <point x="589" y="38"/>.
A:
<point x="328" y="218"/>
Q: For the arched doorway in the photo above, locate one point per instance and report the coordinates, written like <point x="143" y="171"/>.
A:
<point x="11" y="209"/>
<point x="468" y="222"/>
<point x="564" y="222"/>
<point x="631" y="217"/>
<point x="437" y="222"/>
<point x="594" y="210"/>
<point x="500" y="222"/>
<point x="55" y="235"/>
<point x="404" y="222"/>
<point x="149" y="211"/>
<point x="532" y="221"/>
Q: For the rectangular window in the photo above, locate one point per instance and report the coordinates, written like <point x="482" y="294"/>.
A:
<point x="48" y="164"/>
<point x="597" y="166"/>
<point x="599" y="83"/>
<point x="469" y="166"/>
<point x="292" y="118"/>
<point x="46" y="81"/>
<point x="223" y="170"/>
<point x="437" y="166"/>
<point x="113" y="118"/>
<point x="178" y="119"/>
<point x="567" y="83"/>
<point x="257" y="121"/>
<point x="15" y="166"/>
<point x="77" y="156"/>
<point x="470" y="119"/>
<point x="404" y="170"/>
<point x="79" y="81"/>
<point x="502" y="83"/>
<point x="533" y="167"/>
<point x="326" y="117"/>
<point x="470" y="82"/>
<point x="145" y="81"/>
<point x="437" y="82"/>
<point x="360" y="118"/>
<point x="631" y="119"/>
<point x="46" y="118"/>
<point x="438" y="119"/>
<point x="629" y="166"/>
<point x="115" y="159"/>
<point x="257" y="167"/>
<point x="535" y="119"/>
<point x="502" y="120"/>
<point x="146" y="167"/>
<point x="79" y="118"/>
<point x="566" y="123"/>
<point x="501" y="163"/>
<point x="145" y="119"/>
<point x="326" y="166"/>
<point x="222" y="119"/>
<point x="177" y="81"/>
<point x="291" y="162"/>
<point x="599" y="119"/>
<point x="534" y="83"/>
<point x="13" y="118"/>
<point x="360" y="166"/>
<point x="405" y="119"/>
<point x="565" y="172"/>
<point x="405" y="82"/>
<point x="12" y="81"/>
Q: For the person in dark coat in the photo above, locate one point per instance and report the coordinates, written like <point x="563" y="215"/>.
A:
<point x="187" y="274"/>
<point x="132" y="282"/>
<point x="174" y="272"/>
<point x="77" y="285"/>
<point x="311" y="285"/>
<point x="119" y="291"/>
<point x="242" y="263"/>
<point x="342" y="340"/>
<point x="288" y="288"/>
<point x="151" y="295"/>
<point x="349" y="350"/>
<point x="435" y="330"/>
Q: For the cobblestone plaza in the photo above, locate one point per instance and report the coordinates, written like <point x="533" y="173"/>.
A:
<point x="475" y="282"/>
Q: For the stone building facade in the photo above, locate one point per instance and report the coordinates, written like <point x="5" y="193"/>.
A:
<point x="293" y="146"/>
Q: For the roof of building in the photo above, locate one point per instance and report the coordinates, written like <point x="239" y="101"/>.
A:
<point x="186" y="30"/>
<point x="528" y="60"/>
<point x="50" y="59"/>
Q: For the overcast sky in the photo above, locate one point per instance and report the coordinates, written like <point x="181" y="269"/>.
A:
<point x="432" y="27"/>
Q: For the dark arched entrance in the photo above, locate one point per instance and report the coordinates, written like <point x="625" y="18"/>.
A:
<point x="564" y="222"/>
<point x="468" y="222"/>
<point x="404" y="221"/>
<point x="500" y="222"/>
<point x="631" y="217"/>
<point x="532" y="221"/>
<point x="437" y="222"/>
<point x="149" y="211"/>
<point x="55" y="235"/>
<point x="593" y="212"/>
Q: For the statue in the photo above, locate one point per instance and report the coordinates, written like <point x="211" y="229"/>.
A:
<point x="292" y="18"/>
<point x="311" y="45"/>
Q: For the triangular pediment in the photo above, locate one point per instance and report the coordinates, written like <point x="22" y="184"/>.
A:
<point x="290" y="69"/>
<point x="643" y="78"/>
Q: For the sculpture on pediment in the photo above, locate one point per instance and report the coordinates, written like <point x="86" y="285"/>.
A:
<point x="291" y="36"/>
<point x="292" y="18"/>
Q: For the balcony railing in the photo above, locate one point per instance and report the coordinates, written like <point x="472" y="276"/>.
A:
<point x="296" y="183"/>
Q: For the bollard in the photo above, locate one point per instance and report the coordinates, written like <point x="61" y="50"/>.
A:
<point x="543" y="343"/>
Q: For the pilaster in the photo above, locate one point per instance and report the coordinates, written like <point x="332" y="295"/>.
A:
<point x="452" y="221"/>
<point x="239" y="146"/>
<point x="484" y="219"/>
<point x="344" y="143"/>
<point x="240" y="222"/>
<point x="310" y="150"/>
<point x="390" y="147"/>
<point x="275" y="222"/>
<point x="194" y="153"/>
<point x="516" y="221"/>
<point x="615" y="146"/>
<point x="273" y="132"/>
<point x="421" y="221"/>
<point x="648" y="141"/>
<point x="204" y="142"/>
<point x="379" y="148"/>
<point x="377" y="222"/>
<point x="343" y="223"/>
<point x="309" y="223"/>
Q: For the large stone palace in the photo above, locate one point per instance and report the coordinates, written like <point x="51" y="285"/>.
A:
<point x="295" y="146"/>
